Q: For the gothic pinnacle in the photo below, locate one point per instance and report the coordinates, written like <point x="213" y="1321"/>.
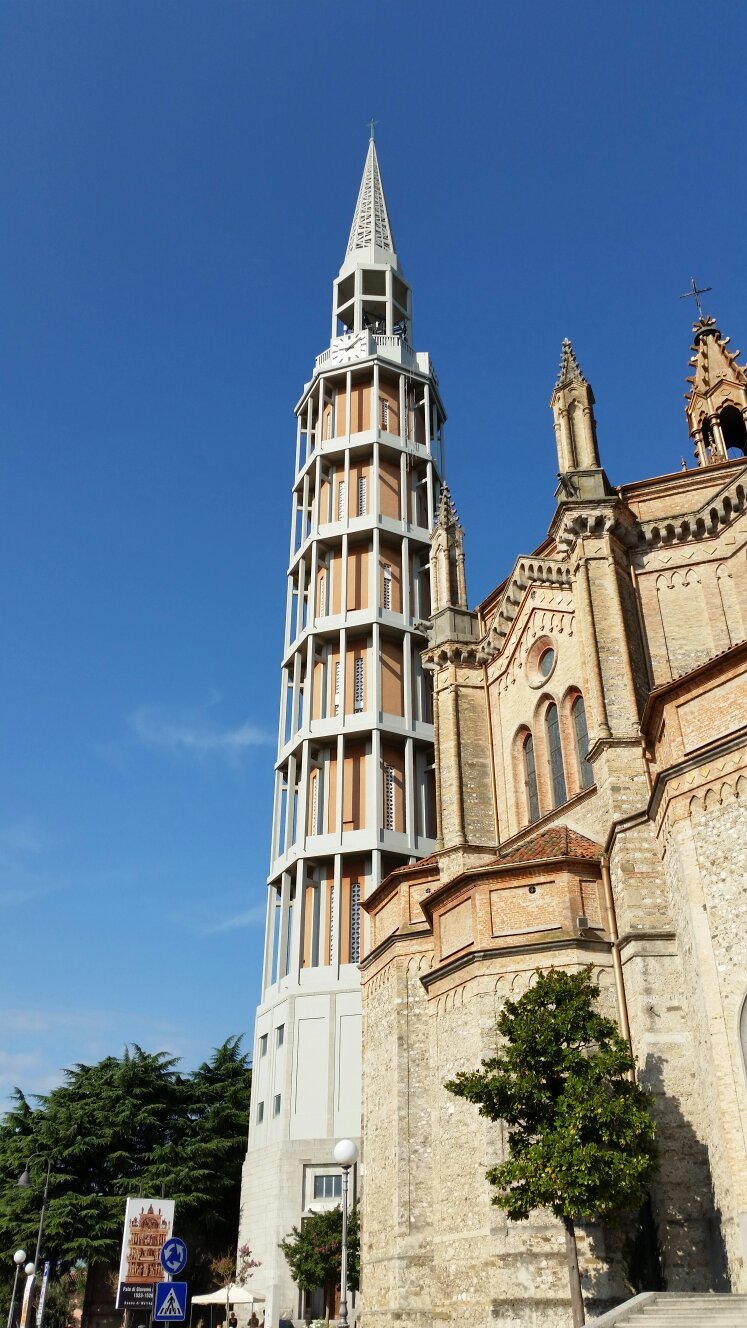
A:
<point x="570" y="370"/>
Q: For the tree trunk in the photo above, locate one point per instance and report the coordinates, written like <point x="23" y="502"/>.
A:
<point x="574" y="1277"/>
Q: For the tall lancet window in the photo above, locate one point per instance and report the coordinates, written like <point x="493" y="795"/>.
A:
<point x="341" y="501"/>
<point x="355" y="923"/>
<point x="581" y="734"/>
<point x="387" y="595"/>
<point x="362" y="495"/>
<point x="388" y="797"/>
<point x="555" y="756"/>
<point x="337" y="687"/>
<point x="358" y="684"/>
<point x="530" y="779"/>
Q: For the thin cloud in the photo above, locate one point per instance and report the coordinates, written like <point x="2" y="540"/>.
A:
<point x="22" y="837"/>
<point x="194" y="735"/>
<point x="251" y="917"/>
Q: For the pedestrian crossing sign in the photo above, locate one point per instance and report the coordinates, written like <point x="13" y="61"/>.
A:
<point x="171" y="1301"/>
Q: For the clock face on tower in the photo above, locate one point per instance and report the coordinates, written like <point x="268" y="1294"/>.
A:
<point x="351" y="346"/>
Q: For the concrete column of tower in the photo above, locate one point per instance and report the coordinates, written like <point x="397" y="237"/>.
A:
<point x="354" y="770"/>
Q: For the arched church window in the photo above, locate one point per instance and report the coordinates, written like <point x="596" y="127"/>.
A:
<point x="530" y="779"/>
<point x="734" y="430"/>
<point x="555" y="756"/>
<point x="581" y="734"/>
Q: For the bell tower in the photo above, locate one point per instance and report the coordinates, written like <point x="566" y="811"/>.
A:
<point x="716" y="405"/>
<point x="354" y="782"/>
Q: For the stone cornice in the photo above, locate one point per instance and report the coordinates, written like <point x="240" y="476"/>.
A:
<point x="717" y="512"/>
<point x="562" y="942"/>
<point x="710" y="752"/>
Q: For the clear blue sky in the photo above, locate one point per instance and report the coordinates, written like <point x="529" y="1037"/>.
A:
<point x="178" y="180"/>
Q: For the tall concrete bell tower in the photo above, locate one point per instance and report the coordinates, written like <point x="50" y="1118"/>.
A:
<point x="354" y="793"/>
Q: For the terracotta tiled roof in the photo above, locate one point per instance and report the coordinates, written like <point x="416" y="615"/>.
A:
<point x="555" y="842"/>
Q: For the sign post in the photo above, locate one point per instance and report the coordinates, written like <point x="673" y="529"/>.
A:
<point x="148" y="1226"/>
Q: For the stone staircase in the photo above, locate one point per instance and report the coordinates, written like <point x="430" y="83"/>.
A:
<point x="673" y="1309"/>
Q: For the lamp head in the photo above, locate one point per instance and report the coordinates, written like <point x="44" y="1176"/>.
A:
<point x="30" y="1268"/>
<point x="19" y="1257"/>
<point x="24" y="1180"/>
<point x="346" y="1152"/>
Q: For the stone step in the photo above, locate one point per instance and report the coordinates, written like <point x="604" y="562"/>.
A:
<point x="679" y="1310"/>
<point x="717" y="1318"/>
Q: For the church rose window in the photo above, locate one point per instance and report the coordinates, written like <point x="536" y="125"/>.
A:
<point x="546" y="661"/>
<point x="555" y="757"/>
<point x="578" y="713"/>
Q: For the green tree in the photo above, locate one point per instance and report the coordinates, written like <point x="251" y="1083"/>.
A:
<point x="314" y="1253"/>
<point x="580" y="1134"/>
<point x="127" y="1126"/>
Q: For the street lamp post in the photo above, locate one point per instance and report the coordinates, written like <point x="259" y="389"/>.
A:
<point x="24" y="1180"/>
<point x="346" y="1153"/>
<point x="18" y="1258"/>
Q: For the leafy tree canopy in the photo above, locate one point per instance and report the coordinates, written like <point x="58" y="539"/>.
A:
<point x="314" y="1250"/>
<point x="127" y="1126"/>
<point x="580" y="1137"/>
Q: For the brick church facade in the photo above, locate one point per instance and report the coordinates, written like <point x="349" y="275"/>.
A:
<point x="591" y="794"/>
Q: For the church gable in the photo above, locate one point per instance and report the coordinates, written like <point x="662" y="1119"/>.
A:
<point x="536" y="696"/>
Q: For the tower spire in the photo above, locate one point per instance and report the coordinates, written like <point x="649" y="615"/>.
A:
<point x="371" y="293"/>
<point x="371" y="232"/>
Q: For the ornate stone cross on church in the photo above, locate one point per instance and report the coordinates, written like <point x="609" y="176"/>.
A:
<point x="695" y="294"/>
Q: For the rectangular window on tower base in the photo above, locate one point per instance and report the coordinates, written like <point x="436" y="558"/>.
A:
<point x="328" y="1187"/>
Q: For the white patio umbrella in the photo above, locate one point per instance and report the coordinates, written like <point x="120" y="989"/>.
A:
<point x="232" y="1294"/>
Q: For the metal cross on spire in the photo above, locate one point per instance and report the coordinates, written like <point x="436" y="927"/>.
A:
<point x="695" y="294"/>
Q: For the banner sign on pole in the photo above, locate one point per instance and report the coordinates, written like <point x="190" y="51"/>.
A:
<point x="26" y="1302"/>
<point x="148" y="1225"/>
<point x="43" y="1295"/>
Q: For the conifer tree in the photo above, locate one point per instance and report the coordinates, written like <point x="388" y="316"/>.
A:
<point x="128" y="1125"/>
<point x="580" y="1133"/>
